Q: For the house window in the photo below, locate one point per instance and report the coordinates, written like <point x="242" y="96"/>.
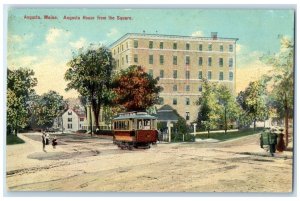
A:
<point x="136" y="44"/>
<point x="150" y="59"/>
<point x="70" y="113"/>
<point x="187" y="60"/>
<point x="69" y="119"/>
<point x="209" y="47"/>
<point x="174" y="74"/>
<point x="174" y="46"/>
<point x="187" y="88"/>
<point x="230" y="48"/>
<point x="187" y="101"/>
<point x="161" y="59"/>
<point x="221" y="48"/>
<point x="230" y="62"/>
<point x="187" y="74"/>
<point x="200" y="47"/>
<point x="230" y="76"/>
<point x="81" y="119"/>
<point x="161" y="74"/>
<point x="200" y="61"/>
<point x="150" y="44"/>
<point x="174" y="60"/>
<point x="135" y="58"/>
<point x="160" y="101"/>
<point x="151" y="72"/>
<point x="174" y="101"/>
<point x="209" y="61"/>
<point x="70" y="126"/>
<point x="187" y="116"/>
<point x="161" y="45"/>
<point x="175" y="87"/>
<point x="200" y="88"/>
<point x="221" y="76"/>
<point x="209" y="75"/>
<point x="187" y="46"/>
<point x="221" y="62"/>
<point x="200" y="75"/>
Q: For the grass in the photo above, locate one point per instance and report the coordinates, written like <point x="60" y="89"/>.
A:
<point x="229" y="135"/>
<point x="13" y="139"/>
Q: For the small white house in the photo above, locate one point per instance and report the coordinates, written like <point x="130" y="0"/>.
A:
<point x="72" y="120"/>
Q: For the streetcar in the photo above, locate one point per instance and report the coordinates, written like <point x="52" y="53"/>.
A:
<point x="134" y="130"/>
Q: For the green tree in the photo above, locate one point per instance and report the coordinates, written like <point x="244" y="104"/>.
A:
<point x="253" y="101"/>
<point x="282" y="81"/>
<point x="135" y="89"/>
<point x="48" y="107"/>
<point x="20" y="85"/>
<point x="90" y="73"/>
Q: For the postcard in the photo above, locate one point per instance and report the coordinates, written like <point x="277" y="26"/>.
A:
<point x="191" y="100"/>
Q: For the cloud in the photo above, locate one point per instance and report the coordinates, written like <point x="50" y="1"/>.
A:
<point x="55" y="35"/>
<point x="197" y="34"/>
<point x="82" y="42"/>
<point x="113" y="32"/>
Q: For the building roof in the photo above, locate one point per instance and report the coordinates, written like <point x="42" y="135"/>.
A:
<point x="167" y="113"/>
<point x="177" y="37"/>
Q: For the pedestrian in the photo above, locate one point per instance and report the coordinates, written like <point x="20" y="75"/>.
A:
<point x="44" y="141"/>
<point x="54" y="142"/>
<point x="47" y="139"/>
<point x="273" y="141"/>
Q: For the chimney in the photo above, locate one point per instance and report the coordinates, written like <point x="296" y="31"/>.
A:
<point x="214" y="35"/>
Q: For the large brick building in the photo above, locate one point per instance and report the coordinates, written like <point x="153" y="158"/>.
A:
<point x="181" y="62"/>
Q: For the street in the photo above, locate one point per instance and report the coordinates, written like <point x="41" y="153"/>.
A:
<point x="82" y="163"/>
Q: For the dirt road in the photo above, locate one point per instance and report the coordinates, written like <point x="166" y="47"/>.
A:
<point x="92" y="164"/>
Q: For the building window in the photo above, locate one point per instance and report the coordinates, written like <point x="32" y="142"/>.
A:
<point x="118" y="50"/>
<point x="200" y="75"/>
<point x="151" y="72"/>
<point x="126" y="45"/>
<point x="70" y="113"/>
<point x="118" y="63"/>
<point x="200" y="88"/>
<point x="209" y="75"/>
<point x="122" y="60"/>
<point x="221" y="62"/>
<point x="187" y="101"/>
<point x="209" y="47"/>
<point x="136" y="44"/>
<point x="127" y="59"/>
<point x="69" y="119"/>
<point x="221" y="48"/>
<point x="221" y="76"/>
<point x="209" y="61"/>
<point x="70" y="126"/>
<point x="174" y="74"/>
<point x="230" y="63"/>
<point x="174" y="101"/>
<point x="187" y="88"/>
<point x="81" y="119"/>
<point x="122" y="47"/>
<point x="187" y="46"/>
<point x="114" y="51"/>
<point x="200" y="47"/>
<point x="135" y="58"/>
<point x="230" y="76"/>
<point x="150" y="44"/>
<point x="187" y="60"/>
<point x="150" y="59"/>
<point x="160" y="101"/>
<point x="174" y="60"/>
<point x="161" y="74"/>
<point x="161" y="59"/>
<point x="187" y="116"/>
<point x="230" y="48"/>
<point x="175" y="87"/>
<point x="175" y="46"/>
<point x="187" y="74"/>
<point x="161" y="45"/>
<point x="200" y="61"/>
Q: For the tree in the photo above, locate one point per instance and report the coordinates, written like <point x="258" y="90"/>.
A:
<point x="135" y="89"/>
<point x="282" y="77"/>
<point x="90" y="73"/>
<point x="253" y="101"/>
<point x="20" y="85"/>
<point x="49" y="106"/>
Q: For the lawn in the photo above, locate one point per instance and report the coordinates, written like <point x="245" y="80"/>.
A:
<point x="12" y="139"/>
<point x="229" y="135"/>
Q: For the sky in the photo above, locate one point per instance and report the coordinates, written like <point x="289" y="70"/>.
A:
<point x="47" y="45"/>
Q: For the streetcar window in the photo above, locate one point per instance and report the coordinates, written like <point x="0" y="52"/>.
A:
<point x="147" y="124"/>
<point x="140" y="124"/>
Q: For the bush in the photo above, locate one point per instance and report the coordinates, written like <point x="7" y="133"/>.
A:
<point x="13" y="139"/>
